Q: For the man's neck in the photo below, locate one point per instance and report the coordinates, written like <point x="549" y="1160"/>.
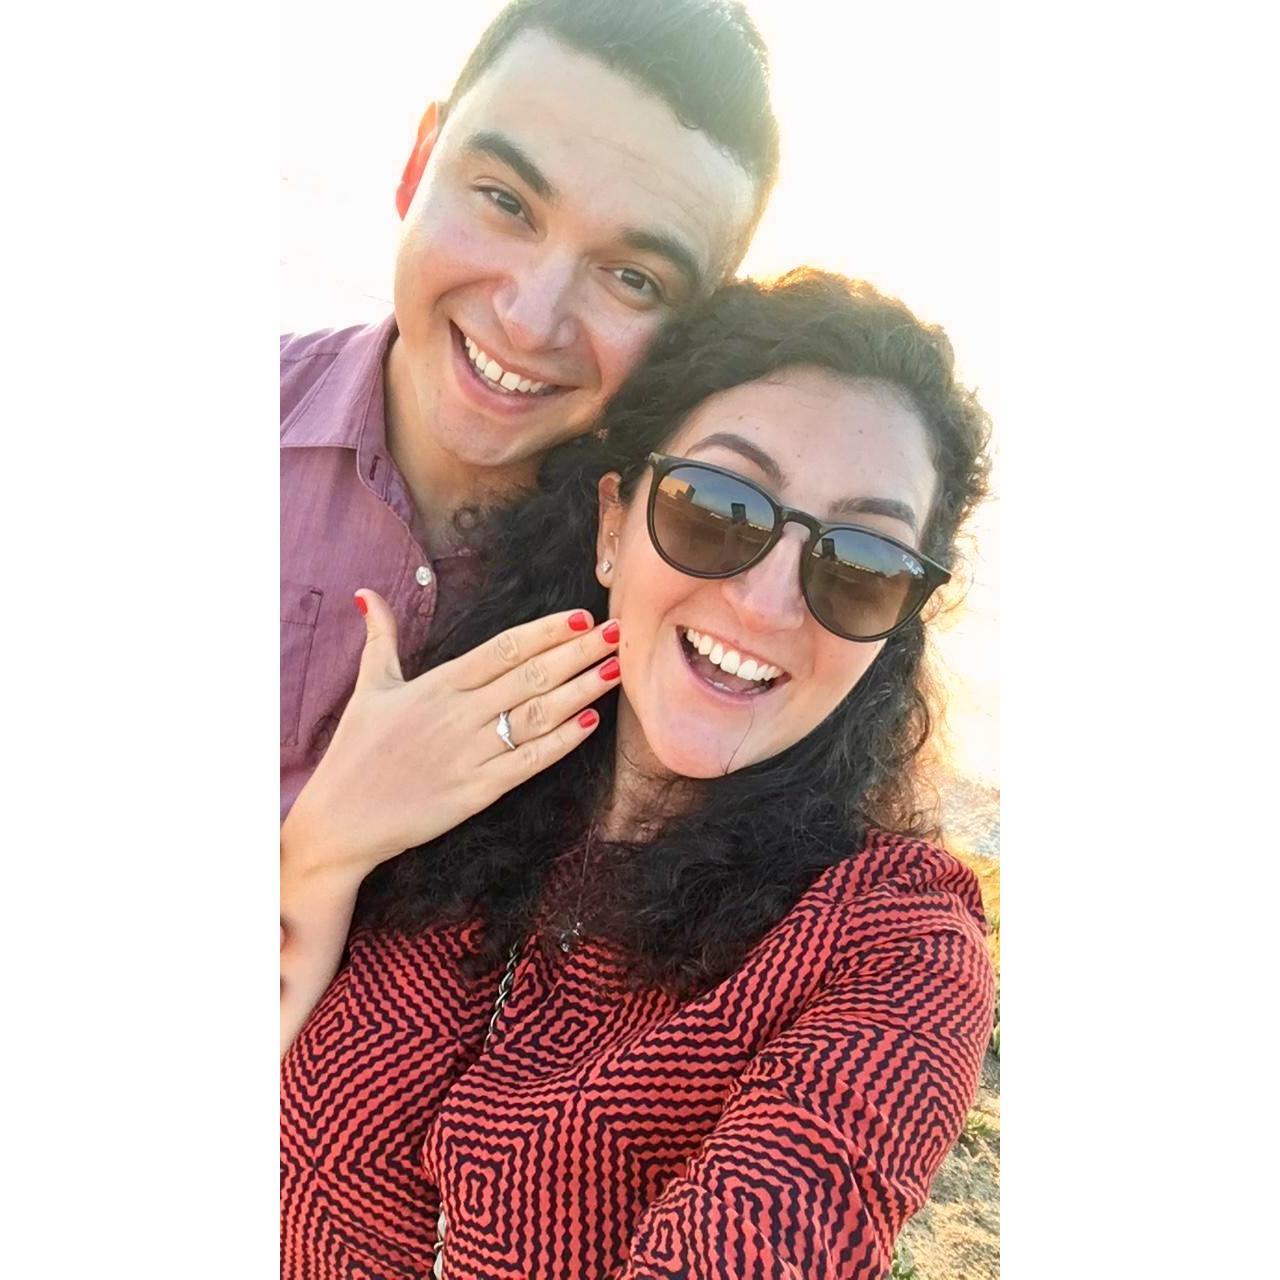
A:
<point x="439" y="484"/>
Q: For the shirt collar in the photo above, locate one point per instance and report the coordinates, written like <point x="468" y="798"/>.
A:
<point x="345" y="407"/>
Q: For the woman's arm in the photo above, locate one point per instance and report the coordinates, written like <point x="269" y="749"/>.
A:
<point x="834" y="1132"/>
<point x="411" y="760"/>
<point x="316" y="903"/>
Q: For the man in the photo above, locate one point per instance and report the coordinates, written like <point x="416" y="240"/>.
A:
<point x="598" y="166"/>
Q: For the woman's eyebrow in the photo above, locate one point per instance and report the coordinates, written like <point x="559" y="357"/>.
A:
<point x="728" y="440"/>
<point x="890" y="507"/>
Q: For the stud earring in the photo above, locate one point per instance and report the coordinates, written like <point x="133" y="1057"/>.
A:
<point x="606" y="566"/>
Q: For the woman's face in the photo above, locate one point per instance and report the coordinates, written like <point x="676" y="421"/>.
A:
<point x="842" y="450"/>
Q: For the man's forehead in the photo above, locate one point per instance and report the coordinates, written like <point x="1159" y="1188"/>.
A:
<point x="517" y="80"/>
<point x="597" y="136"/>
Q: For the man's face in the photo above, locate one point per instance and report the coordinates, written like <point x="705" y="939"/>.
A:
<point x="563" y="216"/>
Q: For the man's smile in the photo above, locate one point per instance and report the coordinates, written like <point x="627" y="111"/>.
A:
<point x="506" y="377"/>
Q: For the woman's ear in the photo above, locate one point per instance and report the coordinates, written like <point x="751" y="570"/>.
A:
<point x="611" y="513"/>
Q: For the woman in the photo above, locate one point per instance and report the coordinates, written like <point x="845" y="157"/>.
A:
<point x="694" y="1000"/>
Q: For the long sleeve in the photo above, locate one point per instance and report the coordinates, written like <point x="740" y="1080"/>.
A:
<point x="833" y="1133"/>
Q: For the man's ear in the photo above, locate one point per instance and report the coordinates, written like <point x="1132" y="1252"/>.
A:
<point x="611" y="513"/>
<point x="428" y="131"/>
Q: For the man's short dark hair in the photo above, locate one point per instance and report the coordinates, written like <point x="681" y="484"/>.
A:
<point x="703" y="58"/>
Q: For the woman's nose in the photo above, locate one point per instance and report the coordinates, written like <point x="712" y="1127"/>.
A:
<point x="768" y="597"/>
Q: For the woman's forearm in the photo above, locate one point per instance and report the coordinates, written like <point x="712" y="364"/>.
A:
<point x="317" y="898"/>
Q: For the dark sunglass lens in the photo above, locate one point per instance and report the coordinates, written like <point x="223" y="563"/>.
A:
<point x="709" y="523"/>
<point x="862" y="585"/>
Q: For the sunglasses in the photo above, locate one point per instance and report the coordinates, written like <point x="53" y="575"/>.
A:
<point x="710" y="523"/>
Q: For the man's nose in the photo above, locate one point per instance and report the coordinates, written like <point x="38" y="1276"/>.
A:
<point x="536" y="304"/>
<point x="768" y="597"/>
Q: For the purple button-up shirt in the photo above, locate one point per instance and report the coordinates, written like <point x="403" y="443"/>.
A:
<point x="346" y="521"/>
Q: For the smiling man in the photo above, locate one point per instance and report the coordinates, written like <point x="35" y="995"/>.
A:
<point x="599" y="165"/>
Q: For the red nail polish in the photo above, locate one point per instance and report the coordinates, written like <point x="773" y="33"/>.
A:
<point x="579" y="621"/>
<point x="610" y="670"/>
<point x="360" y="604"/>
<point x="611" y="633"/>
<point x="589" y="719"/>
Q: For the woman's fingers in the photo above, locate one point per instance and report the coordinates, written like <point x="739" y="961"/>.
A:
<point x="511" y="768"/>
<point x="405" y="762"/>
<point x="380" y="661"/>
<point x="545" y="711"/>
<point x="544" y="673"/>
<point x="506" y="652"/>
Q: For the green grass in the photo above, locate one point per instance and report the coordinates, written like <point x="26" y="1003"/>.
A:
<point x="903" y="1268"/>
<point x="977" y="1125"/>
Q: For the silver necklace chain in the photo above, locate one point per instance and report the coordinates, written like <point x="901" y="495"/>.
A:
<point x="568" y="939"/>
<point x="504" y="988"/>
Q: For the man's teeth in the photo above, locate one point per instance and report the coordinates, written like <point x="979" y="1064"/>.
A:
<point x="731" y="660"/>
<point x="489" y="368"/>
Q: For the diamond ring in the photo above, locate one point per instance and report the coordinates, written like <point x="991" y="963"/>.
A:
<point x="504" y="730"/>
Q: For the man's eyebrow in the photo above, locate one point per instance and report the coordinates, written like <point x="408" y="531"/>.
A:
<point x="675" y="251"/>
<point x="890" y="507"/>
<point x="491" y="143"/>
<point x="500" y="147"/>
<point x="728" y="440"/>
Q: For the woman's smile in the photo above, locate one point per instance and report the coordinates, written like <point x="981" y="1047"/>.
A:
<point x="728" y="669"/>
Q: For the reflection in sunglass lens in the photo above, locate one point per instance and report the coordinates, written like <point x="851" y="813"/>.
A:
<point x="861" y="584"/>
<point x="709" y="523"/>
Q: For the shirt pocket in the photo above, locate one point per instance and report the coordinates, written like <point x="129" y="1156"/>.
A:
<point x="299" y="611"/>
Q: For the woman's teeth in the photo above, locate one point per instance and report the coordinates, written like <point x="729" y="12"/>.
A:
<point x="491" y="370"/>
<point x="730" y="660"/>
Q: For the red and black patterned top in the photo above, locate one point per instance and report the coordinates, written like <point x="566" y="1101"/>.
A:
<point x="785" y="1124"/>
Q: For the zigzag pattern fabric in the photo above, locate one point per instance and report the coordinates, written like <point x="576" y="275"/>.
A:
<point x="783" y="1125"/>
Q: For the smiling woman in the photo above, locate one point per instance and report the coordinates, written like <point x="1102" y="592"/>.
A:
<point x="765" y="585"/>
<point x="708" y="950"/>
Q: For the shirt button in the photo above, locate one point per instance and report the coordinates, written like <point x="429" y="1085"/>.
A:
<point x="423" y="575"/>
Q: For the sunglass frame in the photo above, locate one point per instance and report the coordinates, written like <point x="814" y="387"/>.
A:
<point x="663" y="464"/>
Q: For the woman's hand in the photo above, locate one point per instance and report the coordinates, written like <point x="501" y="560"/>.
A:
<point x="410" y="760"/>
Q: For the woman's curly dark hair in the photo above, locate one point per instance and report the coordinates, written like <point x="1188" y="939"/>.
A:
<point x="686" y="906"/>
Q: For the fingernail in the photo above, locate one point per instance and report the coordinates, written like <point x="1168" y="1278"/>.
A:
<point x="360" y="604"/>
<point x="579" y="621"/>
<point x="589" y="719"/>
<point x="610" y="670"/>
<point x="611" y="632"/>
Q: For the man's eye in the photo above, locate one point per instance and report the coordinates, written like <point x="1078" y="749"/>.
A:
<point x="638" y="282"/>
<point x="504" y="200"/>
